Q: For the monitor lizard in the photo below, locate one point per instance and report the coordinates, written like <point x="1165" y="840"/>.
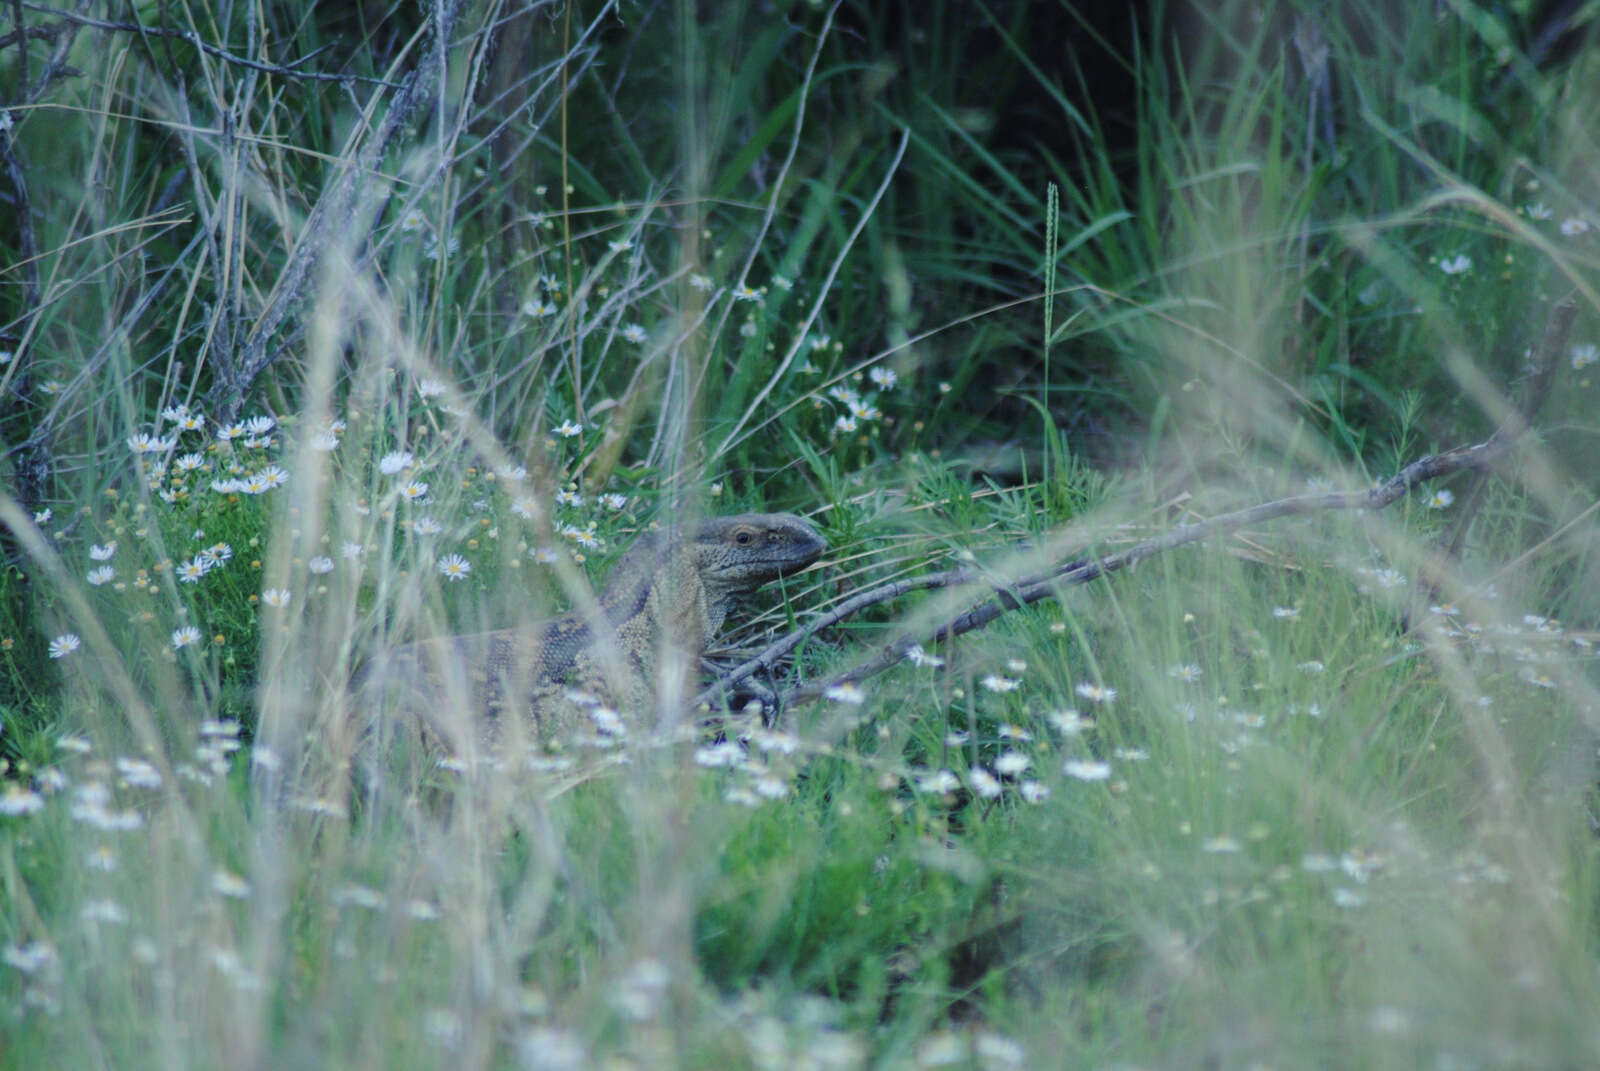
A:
<point x="671" y="593"/>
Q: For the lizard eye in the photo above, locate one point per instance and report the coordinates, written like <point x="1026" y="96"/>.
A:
<point x="742" y="538"/>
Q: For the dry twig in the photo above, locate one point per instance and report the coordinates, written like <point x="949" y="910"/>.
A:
<point x="1031" y="588"/>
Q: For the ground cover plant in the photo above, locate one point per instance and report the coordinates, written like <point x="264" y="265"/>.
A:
<point x="326" y="328"/>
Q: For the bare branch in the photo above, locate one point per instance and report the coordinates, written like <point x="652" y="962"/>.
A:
<point x="330" y="221"/>
<point x="286" y="70"/>
<point x="64" y="36"/>
<point x="35" y="33"/>
<point x="1031" y="588"/>
<point x="27" y="243"/>
<point x="20" y="36"/>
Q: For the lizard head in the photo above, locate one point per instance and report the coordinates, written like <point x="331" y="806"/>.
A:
<point x="736" y="555"/>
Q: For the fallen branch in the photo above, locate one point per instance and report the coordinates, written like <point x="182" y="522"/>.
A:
<point x="1031" y="588"/>
<point x="285" y="70"/>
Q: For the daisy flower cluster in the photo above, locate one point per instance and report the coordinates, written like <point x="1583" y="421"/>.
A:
<point x="544" y="302"/>
<point x="756" y="764"/>
<point x="857" y="409"/>
<point x="1532" y="652"/>
<point x="415" y="221"/>
<point x="1012" y="752"/>
<point x="238" y="459"/>
<point x="121" y="807"/>
<point x="1573" y="224"/>
<point x="756" y="308"/>
<point x="197" y="470"/>
<point x="1001" y="745"/>
<point x="239" y="464"/>
<point x="112" y="801"/>
<point x="762" y="762"/>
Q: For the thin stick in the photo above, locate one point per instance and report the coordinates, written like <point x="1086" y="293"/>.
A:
<point x="1034" y="587"/>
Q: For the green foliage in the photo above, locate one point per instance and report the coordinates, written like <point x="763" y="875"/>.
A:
<point x="1316" y="794"/>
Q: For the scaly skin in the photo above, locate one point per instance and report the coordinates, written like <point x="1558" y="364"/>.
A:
<point x="668" y="596"/>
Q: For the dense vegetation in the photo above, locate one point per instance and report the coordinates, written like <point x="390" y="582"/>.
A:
<point x="328" y="326"/>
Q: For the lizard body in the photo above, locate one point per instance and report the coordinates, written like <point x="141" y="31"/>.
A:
<point x="670" y="594"/>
